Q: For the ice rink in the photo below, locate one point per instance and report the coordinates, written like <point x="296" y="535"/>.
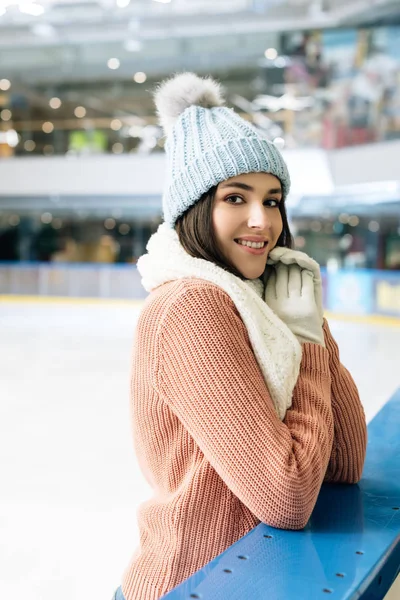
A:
<point x="70" y="483"/>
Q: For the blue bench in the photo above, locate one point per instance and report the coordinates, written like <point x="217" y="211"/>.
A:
<point x="350" y="548"/>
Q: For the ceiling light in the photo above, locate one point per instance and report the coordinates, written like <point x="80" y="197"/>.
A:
<point x="113" y="63"/>
<point x="47" y="127"/>
<point x="280" y="62"/>
<point x="5" y="84"/>
<point x="80" y="112"/>
<point x="163" y="1"/>
<point x="14" y="220"/>
<point x="116" y="124"/>
<point x="6" y="114"/>
<point x="151" y="142"/>
<point x="55" y="102"/>
<point x="124" y="228"/>
<point x="271" y="53"/>
<point x="46" y="217"/>
<point x="123" y="3"/>
<point x="12" y="138"/>
<point x="135" y="131"/>
<point x="2" y="11"/>
<point x="373" y="226"/>
<point x="140" y="77"/>
<point x="109" y="223"/>
<point x="57" y="223"/>
<point x="31" y="8"/>
<point x="29" y="145"/>
<point x="300" y="241"/>
<point x="315" y="226"/>
<point x="117" y="148"/>
<point x="354" y="221"/>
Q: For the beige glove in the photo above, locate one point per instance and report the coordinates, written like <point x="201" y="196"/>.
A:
<point x="290" y="257"/>
<point x="290" y="294"/>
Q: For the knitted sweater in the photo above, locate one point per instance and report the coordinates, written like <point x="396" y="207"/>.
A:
<point x="210" y="443"/>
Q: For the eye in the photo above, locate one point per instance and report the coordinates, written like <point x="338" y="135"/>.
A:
<point x="271" y="202"/>
<point x="230" y="199"/>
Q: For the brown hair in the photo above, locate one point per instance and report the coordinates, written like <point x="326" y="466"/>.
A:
<point x="196" y="233"/>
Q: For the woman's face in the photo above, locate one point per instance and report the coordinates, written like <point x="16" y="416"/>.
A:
<point x="246" y="209"/>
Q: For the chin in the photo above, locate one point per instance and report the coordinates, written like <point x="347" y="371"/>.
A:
<point x="253" y="274"/>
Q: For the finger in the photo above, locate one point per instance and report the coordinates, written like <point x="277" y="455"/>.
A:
<point x="276" y="254"/>
<point x="270" y="289"/>
<point x="295" y="283"/>
<point x="282" y="278"/>
<point x="307" y="285"/>
<point x="269" y="269"/>
<point x="285" y="256"/>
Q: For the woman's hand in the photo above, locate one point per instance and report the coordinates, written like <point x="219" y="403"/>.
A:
<point x="295" y="257"/>
<point x="290" y="294"/>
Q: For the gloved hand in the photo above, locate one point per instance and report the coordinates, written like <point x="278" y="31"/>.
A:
<point x="289" y="292"/>
<point x="290" y="257"/>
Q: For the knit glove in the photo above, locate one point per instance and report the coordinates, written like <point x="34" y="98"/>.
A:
<point x="290" y="294"/>
<point x="290" y="257"/>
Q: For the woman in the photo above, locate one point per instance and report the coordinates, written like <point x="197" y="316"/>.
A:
<point x="240" y="406"/>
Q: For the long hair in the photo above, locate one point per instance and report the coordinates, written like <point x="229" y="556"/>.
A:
<point x="197" y="236"/>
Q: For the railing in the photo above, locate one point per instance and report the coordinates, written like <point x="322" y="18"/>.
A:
<point x="80" y="280"/>
<point x="349" y="550"/>
<point x="352" y="292"/>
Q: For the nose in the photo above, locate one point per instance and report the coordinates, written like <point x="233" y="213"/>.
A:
<point x="258" y="217"/>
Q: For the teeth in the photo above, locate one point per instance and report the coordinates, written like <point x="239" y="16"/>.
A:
<point x="251" y="244"/>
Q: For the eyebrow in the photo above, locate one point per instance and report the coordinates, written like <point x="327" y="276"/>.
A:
<point x="249" y="188"/>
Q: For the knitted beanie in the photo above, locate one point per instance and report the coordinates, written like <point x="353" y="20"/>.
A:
<point x="207" y="143"/>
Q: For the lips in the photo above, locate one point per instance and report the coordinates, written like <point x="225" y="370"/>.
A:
<point x="251" y="238"/>
<point x="242" y="242"/>
<point x="250" y="250"/>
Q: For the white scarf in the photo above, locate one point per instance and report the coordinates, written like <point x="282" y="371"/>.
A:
<point x="276" y="349"/>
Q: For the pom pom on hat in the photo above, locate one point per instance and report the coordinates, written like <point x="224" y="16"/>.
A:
<point x="177" y="94"/>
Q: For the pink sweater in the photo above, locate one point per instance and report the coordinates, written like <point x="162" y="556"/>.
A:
<point x="209" y="441"/>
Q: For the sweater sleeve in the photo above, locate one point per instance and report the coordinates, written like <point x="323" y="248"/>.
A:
<point x="208" y="375"/>
<point x="350" y="428"/>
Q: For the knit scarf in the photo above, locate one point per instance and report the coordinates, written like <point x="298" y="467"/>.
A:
<point x="276" y="349"/>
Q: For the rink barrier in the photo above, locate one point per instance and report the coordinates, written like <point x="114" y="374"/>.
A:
<point x="379" y="320"/>
<point x="347" y="292"/>
<point x="350" y="548"/>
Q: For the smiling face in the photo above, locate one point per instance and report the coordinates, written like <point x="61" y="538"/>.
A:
<point x="247" y="221"/>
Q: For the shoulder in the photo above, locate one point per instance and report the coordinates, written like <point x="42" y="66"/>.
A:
<point x="184" y="297"/>
<point x="194" y="308"/>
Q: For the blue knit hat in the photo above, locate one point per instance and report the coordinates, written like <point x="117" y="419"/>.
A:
<point x="207" y="143"/>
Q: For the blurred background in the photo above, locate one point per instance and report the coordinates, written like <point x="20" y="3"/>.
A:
<point x="81" y="179"/>
<point x="81" y="161"/>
